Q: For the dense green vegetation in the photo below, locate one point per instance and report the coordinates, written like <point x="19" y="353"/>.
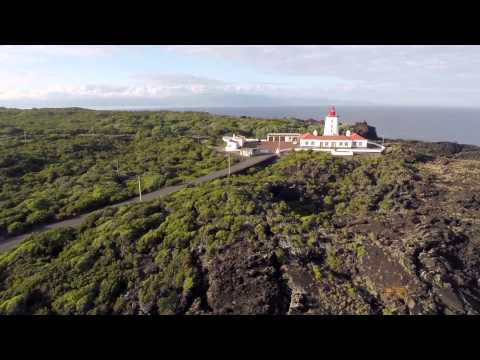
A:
<point x="57" y="163"/>
<point x="144" y="258"/>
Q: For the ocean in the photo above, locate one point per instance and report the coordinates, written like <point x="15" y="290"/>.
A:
<point x="460" y="125"/>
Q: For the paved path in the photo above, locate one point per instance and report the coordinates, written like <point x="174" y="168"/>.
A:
<point x="8" y="243"/>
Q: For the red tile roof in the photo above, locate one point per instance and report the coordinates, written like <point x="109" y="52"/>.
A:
<point x="353" y="136"/>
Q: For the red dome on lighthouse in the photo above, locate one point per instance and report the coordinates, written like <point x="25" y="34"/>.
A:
<point x="332" y="112"/>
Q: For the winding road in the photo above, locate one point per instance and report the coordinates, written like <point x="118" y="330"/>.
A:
<point x="10" y="242"/>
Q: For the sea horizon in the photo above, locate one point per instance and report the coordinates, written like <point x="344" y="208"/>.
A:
<point x="423" y="123"/>
<point x="419" y="122"/>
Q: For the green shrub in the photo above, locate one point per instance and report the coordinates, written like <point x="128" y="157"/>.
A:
<point x="317" y="273"/>
<point x="15" y="228"/>
<point x="12" y="305"/>
<point x="281" y="256"/>
<point x="387" y="311"/>
<point x="332" y="260"/>
<point x="385" y="205"/>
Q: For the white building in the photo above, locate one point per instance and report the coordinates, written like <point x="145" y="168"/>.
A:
<point x="336" y="144"/>
<point x="331" y="123"/>
<point x="236" y="142"/>
<point x="284" y="137"/>
<point x="333" y="141"/>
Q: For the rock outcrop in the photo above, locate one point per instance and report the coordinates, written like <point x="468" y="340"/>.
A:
<point x="365" y="130"/>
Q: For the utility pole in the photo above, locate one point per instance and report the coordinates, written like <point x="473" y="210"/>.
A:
<point x="139" y="188"/>
<point x="118" y="168"/>
<point x="228" y="164"/>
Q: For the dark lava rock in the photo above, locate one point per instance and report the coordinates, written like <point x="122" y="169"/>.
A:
<point x="472" y="203"/>
<point x="246" y="280"/>
<point x="365" y="130"/>
<point x="450" y="299"/>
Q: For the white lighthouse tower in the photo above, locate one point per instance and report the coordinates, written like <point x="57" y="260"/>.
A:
<point x="331" y="123"/>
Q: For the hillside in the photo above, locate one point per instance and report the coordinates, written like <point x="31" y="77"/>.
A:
<point x="58" y="163"/>
<point x="309" y="234"/>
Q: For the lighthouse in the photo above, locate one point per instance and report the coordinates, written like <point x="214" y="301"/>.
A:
<point x="331" y="123"/>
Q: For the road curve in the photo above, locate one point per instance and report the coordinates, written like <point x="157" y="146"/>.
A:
<point x="10" y="242"/>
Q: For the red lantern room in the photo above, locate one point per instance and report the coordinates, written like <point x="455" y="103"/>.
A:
<point x="332" y="112"/>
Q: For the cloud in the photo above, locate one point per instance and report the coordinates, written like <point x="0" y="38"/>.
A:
<point x="383" y="74"/>
<point x="406" y="64"/>
<point x="11" y="55"/>
<point x="157" y="90"/>
<point x="62" y="50"/>
<point x="150" y="89"/>
<point x="176" y="79"/>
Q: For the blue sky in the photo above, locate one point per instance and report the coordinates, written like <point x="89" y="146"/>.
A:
<point x="238" y="75"/>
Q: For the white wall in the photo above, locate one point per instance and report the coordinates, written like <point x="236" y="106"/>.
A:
<point x="331" y="125"/>
<point x="231" y="145"/>
<point x="361" y="143"/>
<point x="331" y="143"/>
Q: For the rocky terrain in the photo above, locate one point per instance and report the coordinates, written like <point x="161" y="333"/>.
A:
<point x="365" y="130"/>
<point x="392" y="234"/>
<point x="421" y="258"/>
<point x="396" y="233"/>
